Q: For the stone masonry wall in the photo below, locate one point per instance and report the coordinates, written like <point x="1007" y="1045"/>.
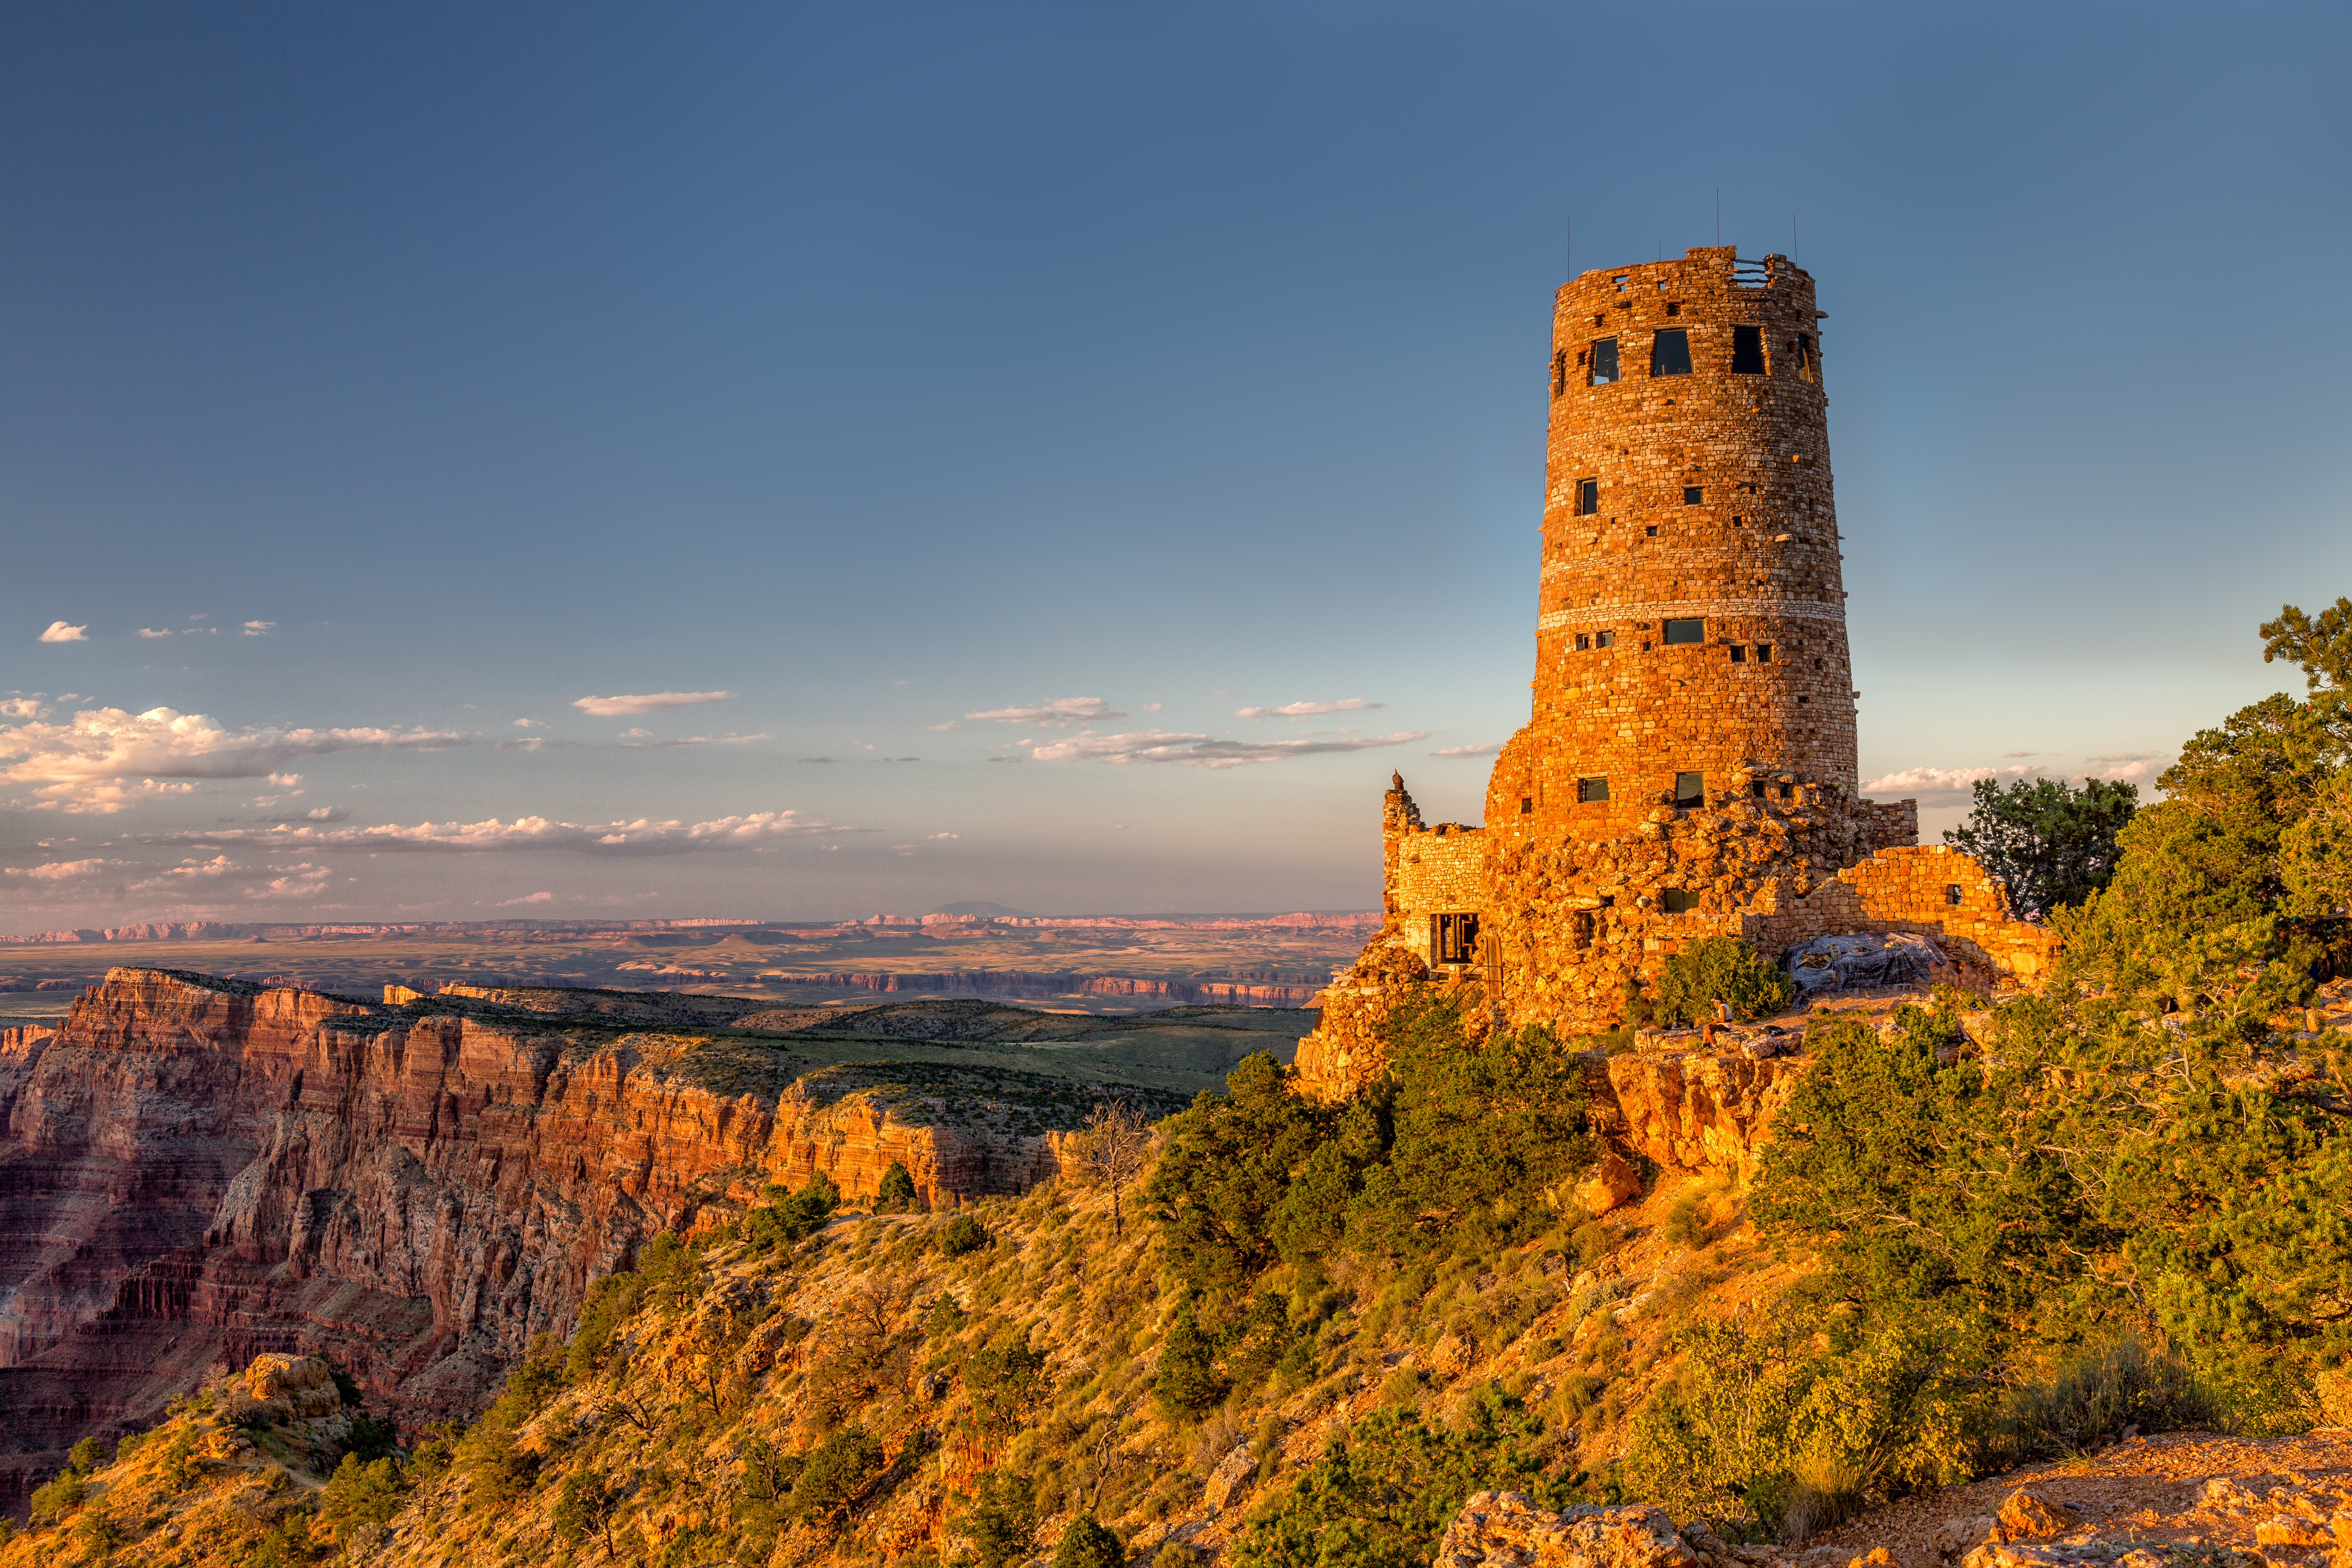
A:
<point x="1933" y="890"/>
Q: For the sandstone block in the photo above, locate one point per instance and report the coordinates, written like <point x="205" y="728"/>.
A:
<point x="2027" y="1514"/>
<point x="1612" y="1184"/>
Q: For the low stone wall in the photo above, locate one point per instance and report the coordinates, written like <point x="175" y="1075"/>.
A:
<point x="1930" y="890"/>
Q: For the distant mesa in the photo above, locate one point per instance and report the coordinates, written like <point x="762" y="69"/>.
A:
<point x="982" y="907"/>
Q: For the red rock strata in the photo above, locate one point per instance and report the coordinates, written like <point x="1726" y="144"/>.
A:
<point x="196" y="1171"/>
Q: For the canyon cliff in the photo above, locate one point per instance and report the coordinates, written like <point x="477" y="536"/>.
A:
<point x="198" y="1171"/>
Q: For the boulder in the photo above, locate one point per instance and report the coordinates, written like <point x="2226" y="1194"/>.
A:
<point x="2028" y="1515"/>
<point x="1229" y="1479"/>
<point x="1613" y="1184"/>
<point x="1505" y="1529"/>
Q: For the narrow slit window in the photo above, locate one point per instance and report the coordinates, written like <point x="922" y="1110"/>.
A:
<point x="1588" y="497"/>
<point x="1670" y="352"/>
<point x="1589" y="791"/>
<point x="1747" y="350"/>
<point x="1674" y="901"/>
<point x="1603" y="371"/>
<point x="1558" y="371"/>
<point x="1809" y="362"/>
<point x="1690" y="790"/>
<point x="1693" y="495"/>
<point x="1686" y="632"/>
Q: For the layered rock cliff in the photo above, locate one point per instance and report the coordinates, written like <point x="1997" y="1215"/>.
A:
<point x="197" y="1171"/>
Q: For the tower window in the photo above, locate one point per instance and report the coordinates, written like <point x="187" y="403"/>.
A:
<point x="1650" y="532"/>
<point x="1558" y="371"/>
<point x="1674" y="901"/>
<point x="1604" y="639"/>
<point x="1670" y="352"/>
<point x="1693" y="495"/>
<point x="1747" y="350"/>
<point x="1589" y="791"/>
<point x="1588" y="497"/>
<point x="1685" y="631"/>
<point x="1602" y="370"/>
<point x="1952" y="893"/>
<point x="1453" y="938"/>
<point x="1738" y="654"/>
<point x="1673" y="307"/>
<point x="1690" y="790"/>
<point x="1809" y="362"/>
<point x="1763" y="653"/>
<point x="1757" y="789"/>
<point x="1582" y="642"/>
<point x="1787" y="791"/>
<point x="1526" y="805"/>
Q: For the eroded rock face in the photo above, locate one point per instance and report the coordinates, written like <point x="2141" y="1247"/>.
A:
<point x="1697" y="1110"/>
<point x="199" y="1172"/>
<point x="1504" y="1529"/>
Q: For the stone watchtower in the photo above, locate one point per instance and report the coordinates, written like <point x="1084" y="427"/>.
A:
<point x="1688" y="768"/>
<point x="1691" y="622"/>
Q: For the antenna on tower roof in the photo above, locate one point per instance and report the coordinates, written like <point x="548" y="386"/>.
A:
<point x="1572" y="247"/>
<point x="1718" y="215"/>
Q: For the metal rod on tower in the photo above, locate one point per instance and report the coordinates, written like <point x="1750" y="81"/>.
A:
<point x="1718" y="215"/>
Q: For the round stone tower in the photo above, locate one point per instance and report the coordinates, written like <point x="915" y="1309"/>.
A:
<point x="1690" y="634"/>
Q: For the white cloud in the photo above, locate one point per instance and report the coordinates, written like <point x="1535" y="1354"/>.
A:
<point x="1153" y="706"/>
<point x="1488" y="749"/>
<point x="1307" y="710"/>
<point x="699" y="740"/>
<point x="1947" y="785"/>
<point x="1199" y="751"/>
<point x="22" y="707"/>
<point x="647" y="703"/>
<point x="1054" y="710"/>
<point x="301" y="880"/>
<point x="285" y="781"/>
<point x="947" y="836"/>
<point x="634" y="734"/>
<point x="492" y="836"/>
<point x="155" y="631"/>
<point x="81" y="765"/>
<point x="529" y="725"/>
<point x="60" y="632"/>
<point x="526" y="898"/>
<point x="60" y="871"/>
<point x="950" y="724"/>
<point x="218" y="866"/>
<point x="260" y="628"/>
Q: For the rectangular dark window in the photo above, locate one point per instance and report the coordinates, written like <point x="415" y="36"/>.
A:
<point x="1526" y="805"/>
<point x="1693" y="495"/>
<point x="1603" y="371"/>
<point x="1674" y="901"/>
<point x="1604" y="639"/>
<point x="1763" y="653"/>
<point x="1952" y="893"/>
<point x="1670" y="352"/>
<point x="1809" y="363"/>
<point x="1607" y="900"/>
<point x="1738" y="654"/>
<point x="1583" y="642"/>
<point x="1685" y="631"/>
<point x="1757" y="789"/>
<point x="1590" y="789"/>
<point x="1787" y="791"/>
<point x="1650" y="532"/>
<point x="1588" y="497"/>
<point x="1453" y="939"/>
<point x="1690" y="790"/>
<point x="1747" y="350"/>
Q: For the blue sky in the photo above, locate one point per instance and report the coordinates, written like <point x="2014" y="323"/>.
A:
<point x="425" y="371"/>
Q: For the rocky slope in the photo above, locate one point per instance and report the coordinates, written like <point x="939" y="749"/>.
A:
<point x="197" y="1171"/>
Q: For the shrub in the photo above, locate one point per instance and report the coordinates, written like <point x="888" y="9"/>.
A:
<point x="57" y="1499"/>
<point x="89" y="1456"/>
<point x="360" y="1492"/>
<point x="2095" y="1394"/>
<point x="834" y="1473"/>
<point x="790" y="1218"/>
<point x="585" y="1508"/>
<point x="1002" y="1520"/>
<point x="960" y="1235"/>
<point x="1720" y="966"/>
<point x="1086" y="1544"/>
<point x="609" y="1302"/>
<point x="897" y="1194"/>
<point x="1686" y="1221"/>
<point x="1187" y="1381"/>
<point x="1381" y="1495"/>
<point x="1006" y="1382"/>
